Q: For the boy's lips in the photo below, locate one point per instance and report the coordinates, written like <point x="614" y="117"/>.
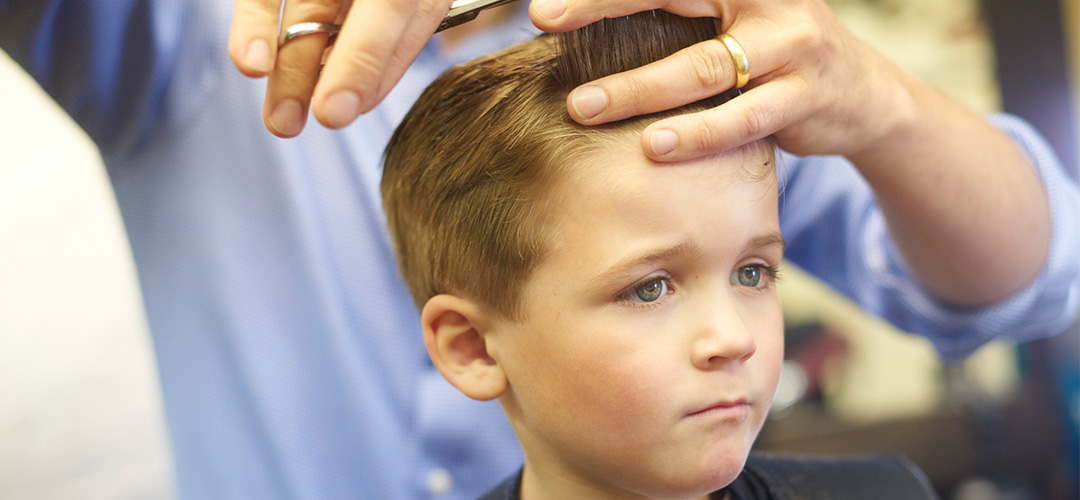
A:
<point x="729" y="409"/>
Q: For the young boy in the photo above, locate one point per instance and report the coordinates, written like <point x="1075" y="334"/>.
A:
<point x="623" y="313"/>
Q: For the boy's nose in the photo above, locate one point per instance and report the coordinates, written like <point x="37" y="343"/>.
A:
<point x="722" y="337"/>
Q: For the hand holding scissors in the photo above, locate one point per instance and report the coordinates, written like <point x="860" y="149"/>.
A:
<point x="382" y="39"/>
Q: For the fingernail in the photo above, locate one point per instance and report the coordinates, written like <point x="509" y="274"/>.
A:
<point x="589" y="101"/>
<point x="342" y="108"/>
<point x="288" y="117"/>
<point x="549" y="9"/>
<point x="258" y="56"/>
<point x="663" y="141"/>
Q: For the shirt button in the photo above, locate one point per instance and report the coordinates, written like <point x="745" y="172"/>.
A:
<point x="439" y="482"/>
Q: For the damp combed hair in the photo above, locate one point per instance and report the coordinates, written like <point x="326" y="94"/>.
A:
<point x="467" y="171"/>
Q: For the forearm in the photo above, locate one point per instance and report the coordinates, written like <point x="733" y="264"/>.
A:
<point x="963" y="205"/>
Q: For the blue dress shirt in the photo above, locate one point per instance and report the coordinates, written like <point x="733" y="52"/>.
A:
<point x="289" y="351"/>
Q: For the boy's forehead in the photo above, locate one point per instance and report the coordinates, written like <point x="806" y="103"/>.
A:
<point x="603" y="185"/>
<point x="617" y="161"/>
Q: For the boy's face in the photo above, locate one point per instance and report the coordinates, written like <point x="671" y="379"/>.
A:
<point x="653" y="336"/>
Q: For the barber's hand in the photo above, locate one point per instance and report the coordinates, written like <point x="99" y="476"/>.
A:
<point x="378" y="42"/>
<point x="812" y="85"/>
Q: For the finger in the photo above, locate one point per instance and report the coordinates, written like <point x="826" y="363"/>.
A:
<point x="292" y="81"/>
<point x="755" y="114"/>
<point x="379" y="40"/>
<point x="404" y="55"/>
<point x="702" y="70"/>
<point x="565" y="15"/>
<point x="253" y="36"/>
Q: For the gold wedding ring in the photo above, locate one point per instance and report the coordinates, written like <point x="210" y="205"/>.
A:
<point x="738" y="55"/>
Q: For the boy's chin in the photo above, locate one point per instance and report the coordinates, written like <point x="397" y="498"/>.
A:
<point x="721" y="473"/>
<point x="702" y="482"/>
<point x="717" y="480"/>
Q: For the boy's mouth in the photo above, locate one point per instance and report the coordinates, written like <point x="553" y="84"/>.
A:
<point x="729" y="409"/>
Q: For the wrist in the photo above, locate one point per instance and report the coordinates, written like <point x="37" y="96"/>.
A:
<point x="895" y="131"/>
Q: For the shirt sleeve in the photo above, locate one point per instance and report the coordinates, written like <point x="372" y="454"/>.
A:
<point x="836" y="231"/>
<point x="108" y="63"/>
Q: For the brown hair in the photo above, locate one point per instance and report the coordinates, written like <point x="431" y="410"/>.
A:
<point x="467" y="171"/>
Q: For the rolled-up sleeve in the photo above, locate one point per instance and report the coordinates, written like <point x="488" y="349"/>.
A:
<point x="836" y="231"/>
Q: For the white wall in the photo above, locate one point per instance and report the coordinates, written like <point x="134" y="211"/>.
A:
<point x="80" y="413"/>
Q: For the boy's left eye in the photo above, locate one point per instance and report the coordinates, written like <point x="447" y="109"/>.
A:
<point x="748" y="276"/>
<point x="754" y="276"/>
<point x="650" y="290"/>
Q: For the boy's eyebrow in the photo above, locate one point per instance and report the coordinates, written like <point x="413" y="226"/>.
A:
<point x="766" y="240"/>
<point x="614" y="271"/>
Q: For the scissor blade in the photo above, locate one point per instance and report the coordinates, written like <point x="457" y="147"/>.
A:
<point x="463" y="11"/>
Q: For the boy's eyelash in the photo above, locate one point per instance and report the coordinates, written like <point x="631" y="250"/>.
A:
<point x="772" y="275"/>
<point x="772" y="271"/>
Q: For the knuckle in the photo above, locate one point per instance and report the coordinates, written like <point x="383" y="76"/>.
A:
<point x="756" y="120"/>
<point x="364" y="63"/>
<point x="811" y="37"/>
<point x="320" y="4"/>
<point x="295" y="63"/>
<point x="401" y="10"/>
<point x="251" y="19"/>
<point x="707" y="65"/>
<point x="707" y="136"/>
<point x="364" y="70"/>
<point x="633" y="92"/>
<point x="432" y="9"/>
<point x="312" y="10"/>
<point x="256" y="9"/>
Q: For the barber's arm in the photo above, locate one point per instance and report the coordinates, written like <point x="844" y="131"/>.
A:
<point x="835" y="229"/>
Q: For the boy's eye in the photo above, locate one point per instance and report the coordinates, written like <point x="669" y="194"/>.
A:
<point x="647" y="291"/>
<point x="748" y="276"/>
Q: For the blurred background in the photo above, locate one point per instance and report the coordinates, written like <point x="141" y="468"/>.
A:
<point x="80" y="414"/>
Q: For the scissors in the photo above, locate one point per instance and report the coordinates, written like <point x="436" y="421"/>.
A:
<point x="461" y="11"/>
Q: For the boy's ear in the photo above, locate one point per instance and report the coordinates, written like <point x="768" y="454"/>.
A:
<point x="454" y="334"/>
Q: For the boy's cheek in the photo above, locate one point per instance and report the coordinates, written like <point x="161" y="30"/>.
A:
<point x="770" y="362"/>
